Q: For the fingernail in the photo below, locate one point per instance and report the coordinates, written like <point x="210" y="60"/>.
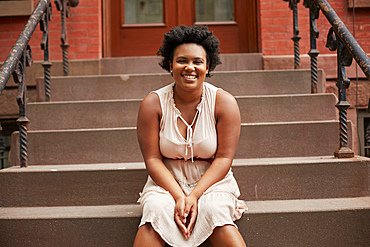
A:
<point x="185" y="215"/>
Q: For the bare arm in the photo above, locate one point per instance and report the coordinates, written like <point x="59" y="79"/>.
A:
<point x="148" y="136"/>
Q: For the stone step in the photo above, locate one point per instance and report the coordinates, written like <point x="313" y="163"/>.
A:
<point x="120" y="183"/>
<point x="238" y="83"/>
<point x="115" y="145"/>
<point x="313" y="222"/>
<point x="123" y="113"/>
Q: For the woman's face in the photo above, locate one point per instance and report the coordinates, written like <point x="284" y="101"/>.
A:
<point x="189" y="66"/>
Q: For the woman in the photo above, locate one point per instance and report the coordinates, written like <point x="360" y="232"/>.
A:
<point x="188" y="132"/>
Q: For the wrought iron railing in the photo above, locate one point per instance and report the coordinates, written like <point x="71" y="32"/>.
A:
<point x="21" y="56"/>
<point x="341" y="40"/>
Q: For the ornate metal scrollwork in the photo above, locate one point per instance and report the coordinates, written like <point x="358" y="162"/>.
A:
<point x="314" y="34"/>
<point x="344" y="59"/>
<point x="64" y="7"/>
<point x="44" y="26"/>
<point x="19" y="76"/>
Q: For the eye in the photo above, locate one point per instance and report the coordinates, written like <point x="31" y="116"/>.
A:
<point x="198" y="62"/>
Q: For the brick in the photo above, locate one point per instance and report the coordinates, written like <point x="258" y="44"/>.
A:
<point x="89" y="10"/>
<point x="364" y="27"/>
<point x="87" y="56"/>
<point x="93" y="33"/>
<point x="283" y="51"/>
<point x="86" y="26"/>
<point x="77" y="33"/>
<point x="92" y="18"/>
<point x="94" y="48"/>
<point x="78" y="18"/>
<point x="265" y="6"/>
<point x="267" y="21"/>
<point x="281" y="5"/>
<point x="92" y="3"/>
<point x="267" y="51"/>
<point x="11" y="28"/>
<point x="282" y="36"/>
<point x="88" y="41"/>
<point x="273" y="29"/>
<point x="283" y="21"/>
<point x="273" y="13"/>
<point x="267" y="36"/>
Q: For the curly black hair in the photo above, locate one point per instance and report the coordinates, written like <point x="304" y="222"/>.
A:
<point x="193" y="34"/>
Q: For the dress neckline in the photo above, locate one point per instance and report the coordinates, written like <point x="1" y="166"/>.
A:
<point x="178" y="112"/>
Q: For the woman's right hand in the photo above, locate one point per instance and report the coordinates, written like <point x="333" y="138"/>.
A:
<point x="179" y="215"/>
<point x="186" y="210"/>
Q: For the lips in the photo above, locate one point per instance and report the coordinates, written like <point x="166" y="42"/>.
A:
<point x="191" y="77"/>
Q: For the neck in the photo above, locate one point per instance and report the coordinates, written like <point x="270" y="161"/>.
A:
<point x="184" y="97"/>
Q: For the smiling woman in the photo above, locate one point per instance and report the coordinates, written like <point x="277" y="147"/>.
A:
<point x="188" y="132"/>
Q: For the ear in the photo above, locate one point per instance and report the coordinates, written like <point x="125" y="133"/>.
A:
<point x="170" y="63"/>
<point x="207" y="68"/>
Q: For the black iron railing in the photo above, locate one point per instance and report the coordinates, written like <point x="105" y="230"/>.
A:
<point x="21" y="56"/>
<point x="341" y="40"/>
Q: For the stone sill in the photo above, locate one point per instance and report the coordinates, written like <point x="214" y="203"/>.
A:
<point x="16" y="8"/>
<point x="359" y="3"/>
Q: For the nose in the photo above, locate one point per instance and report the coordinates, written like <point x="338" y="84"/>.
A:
<point x="189" y="67"/>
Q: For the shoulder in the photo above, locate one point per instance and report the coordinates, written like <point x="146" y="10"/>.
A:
<point x="225" y="104"/>
<point x="150" y="105"/>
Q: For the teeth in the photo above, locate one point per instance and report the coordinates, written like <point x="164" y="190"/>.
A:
<point x="190" y="76"/>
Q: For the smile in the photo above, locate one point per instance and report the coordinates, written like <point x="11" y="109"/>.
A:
<point x="190" y="76"/>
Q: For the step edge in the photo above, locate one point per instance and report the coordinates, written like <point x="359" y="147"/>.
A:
<point x="133" y="210"/>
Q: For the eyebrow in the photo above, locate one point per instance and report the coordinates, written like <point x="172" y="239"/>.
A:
<point x="196" y="58"/>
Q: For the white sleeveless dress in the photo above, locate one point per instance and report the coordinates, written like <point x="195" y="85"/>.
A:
<point x="219" y="204"/>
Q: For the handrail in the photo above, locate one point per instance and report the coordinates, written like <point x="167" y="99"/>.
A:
<point x="345" y="35"/>
<point x="17" y="51"/>
<point x="341" y="40"/>
<point x="21" y="56"/>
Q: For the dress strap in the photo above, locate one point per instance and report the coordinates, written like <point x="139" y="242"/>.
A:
<point x="189" y="135"/>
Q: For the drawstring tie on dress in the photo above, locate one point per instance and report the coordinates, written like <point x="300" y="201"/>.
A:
<point x="189" y="135"/>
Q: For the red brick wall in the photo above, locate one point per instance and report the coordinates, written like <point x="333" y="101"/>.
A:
<point x="83" y="33"/>
<point x="277" y="26"/>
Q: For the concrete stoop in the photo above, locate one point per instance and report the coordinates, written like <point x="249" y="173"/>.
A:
<point x="91" y="114"/>
<point x="309" y="222"/>
<point x="120" y="183"/>
<point x="137" y="86"/>
<point x="86" y="169"/>
<point x="114" y="145"/>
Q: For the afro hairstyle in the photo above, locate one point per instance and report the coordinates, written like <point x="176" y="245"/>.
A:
<point x="193" y="34"/>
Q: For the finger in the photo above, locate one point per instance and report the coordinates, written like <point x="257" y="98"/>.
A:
<point x="193" y="217"/>
<point x="181" y="225"/>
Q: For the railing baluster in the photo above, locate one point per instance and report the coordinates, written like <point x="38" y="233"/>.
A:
<point x="344" y="59"/>
<point x="44" y="26"/>
<point x="296" y="37"/>
<point x="64" y="7"/>
<point x="2" y="148"/>
<point x="314" y="34"/>
<point x="19" y="76"/>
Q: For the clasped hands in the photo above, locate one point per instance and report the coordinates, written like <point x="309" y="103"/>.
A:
<point x="186" y="210"/>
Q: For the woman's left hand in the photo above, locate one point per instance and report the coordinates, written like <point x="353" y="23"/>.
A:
<point x="190" y="214"/>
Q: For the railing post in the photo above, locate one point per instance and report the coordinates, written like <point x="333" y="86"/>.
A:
<point x="19" y="76"/>
<point x="314" y="34"/>
<point x="2" y="148"/>
<point x="296" y="37"/>
<point x="63" y="7"/>
<point x="44" y="26"/>
<point x="344" y="59"/>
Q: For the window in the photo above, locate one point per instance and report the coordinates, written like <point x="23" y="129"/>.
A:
<point x="143" y="11"/>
